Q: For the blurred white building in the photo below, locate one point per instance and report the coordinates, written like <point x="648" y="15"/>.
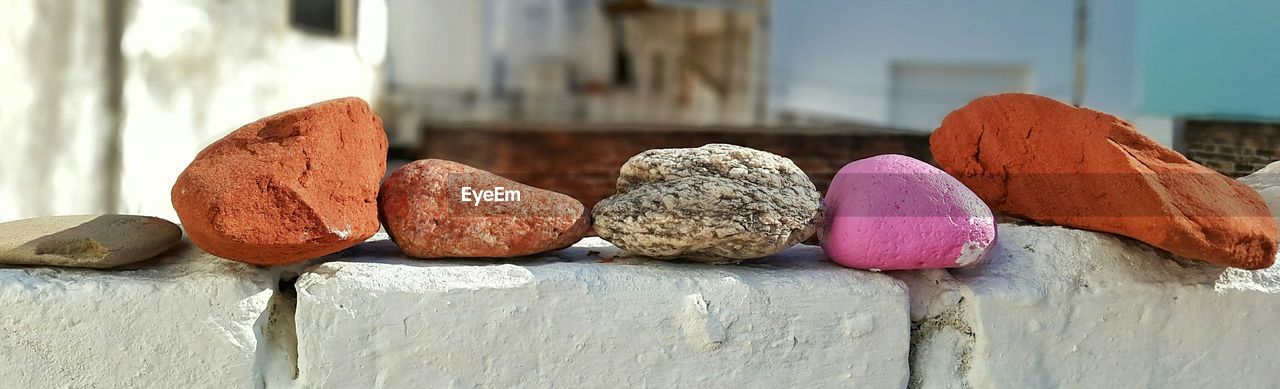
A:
<point x="695" y="62"/>
<point x="107" y="101"/>
<point x="614" y="61"/>
<point x="906" y="64"/>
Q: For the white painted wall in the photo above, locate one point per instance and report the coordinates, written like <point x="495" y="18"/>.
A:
<point x="198" y="69"/>
<point x="185" y="320"/>
<point x="467" y="60"/>
<point x="1051" y="307"/>
<point x="569" y="319"/>
<point x="53" y="118"/>
<point x="436" y="44"/>
<point x="1060" y="307"/>
<point x="834" y="57"/>
<point x="194" y="71"/>
<point x="915" y="100"/>
<point x="445" y="45"/>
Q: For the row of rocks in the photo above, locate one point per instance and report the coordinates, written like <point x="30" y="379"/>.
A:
<point x="717" y="204"/>
<point x="305" y="183"/>
<point x="1027" y="156"/>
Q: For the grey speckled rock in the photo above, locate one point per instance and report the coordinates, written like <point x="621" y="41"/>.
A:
<point x="97" y="241"/>
<point x="717" y="203"/>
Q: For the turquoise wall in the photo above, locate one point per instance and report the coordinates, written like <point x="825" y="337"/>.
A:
<point x="1209" y="58"/>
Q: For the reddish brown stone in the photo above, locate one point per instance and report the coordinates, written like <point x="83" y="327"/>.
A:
<point x="422" y="205"/>
<point x="1036" y="158"/>
<point x="289" y="187"/>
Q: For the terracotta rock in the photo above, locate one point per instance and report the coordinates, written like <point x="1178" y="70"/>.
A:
<point x="93" y="241"/>
<point x="289" y="187"/>
<point x="435" y="209"/>
<point x="892" y="212"/>
<point x="1036" y="158"/>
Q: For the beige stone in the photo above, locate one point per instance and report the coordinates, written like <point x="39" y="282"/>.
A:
<point x="94" y="241"/>
<point x="717" y="203"/>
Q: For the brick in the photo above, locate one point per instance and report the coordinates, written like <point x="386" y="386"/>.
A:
<point x="1230" y="146"/>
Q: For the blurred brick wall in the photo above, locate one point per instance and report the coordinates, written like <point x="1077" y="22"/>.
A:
<point x="583" y="162"/>
<point x="1234" y="148"/>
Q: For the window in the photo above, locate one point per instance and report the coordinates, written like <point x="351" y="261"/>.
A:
<point x="316" y="16"/>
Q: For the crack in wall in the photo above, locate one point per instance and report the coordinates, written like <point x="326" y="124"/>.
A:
<point x="277" y="357"/>
<point x="941" y="350"/>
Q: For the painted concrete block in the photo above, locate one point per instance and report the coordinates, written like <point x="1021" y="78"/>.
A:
<point x="1059" y="307"/>
<point x="184" y="320"/>
<point x="583" y="317"/>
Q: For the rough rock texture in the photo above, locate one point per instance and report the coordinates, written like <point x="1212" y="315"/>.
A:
<point x="583" y="317"/>
<point x="186" y="319"/>
<point x="1059" y="307"/>
<point x="1039" y="159"/>
<point x="289" y="187"/>
<point x="432" y="208"/>
<point x="715" y="203"/>
<point x="94" y="241"/>
<point x="897" y="212"/>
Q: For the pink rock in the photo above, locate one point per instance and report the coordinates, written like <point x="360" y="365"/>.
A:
<point x="895" y="212"/>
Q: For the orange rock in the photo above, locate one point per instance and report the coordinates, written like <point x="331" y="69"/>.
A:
<point x="434" y="208"/>
<point x="289" y="187"/>
<point x="1036" y="158"/>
